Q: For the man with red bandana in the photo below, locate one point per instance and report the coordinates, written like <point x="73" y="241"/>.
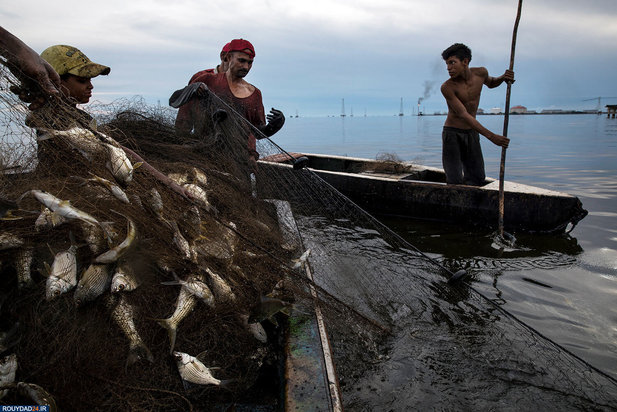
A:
<point x="230" y="86"/>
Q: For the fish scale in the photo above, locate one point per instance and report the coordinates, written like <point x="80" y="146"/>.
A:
<point x="63" y="273"/>
<point x="95" y="280"/>
<point x="123" y="314"/>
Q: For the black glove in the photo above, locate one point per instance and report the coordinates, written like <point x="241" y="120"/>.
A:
<point x="182" y="96"/>
<point x="276" y="120"/>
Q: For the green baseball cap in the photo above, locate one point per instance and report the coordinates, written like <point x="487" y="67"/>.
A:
<point x="68" y="59"/>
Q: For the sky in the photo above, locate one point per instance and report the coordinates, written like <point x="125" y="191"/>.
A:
<point x="312" y="54"/>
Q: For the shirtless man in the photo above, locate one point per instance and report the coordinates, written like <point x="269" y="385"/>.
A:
<point x="462" y="155"/>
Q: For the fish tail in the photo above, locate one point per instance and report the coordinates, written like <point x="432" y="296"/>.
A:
<point x="224" y="383"/>
<point x="171" y="331"/>
<point x="20" y="198"/>
<point x="82" y="181"/>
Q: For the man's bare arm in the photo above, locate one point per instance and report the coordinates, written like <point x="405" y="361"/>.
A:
<point x="29" y="62"/>
<point x="492" y="82"/>
<point x="458" y="109"/>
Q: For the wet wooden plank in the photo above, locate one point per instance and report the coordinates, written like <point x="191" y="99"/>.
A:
<point x="310" y="376"/>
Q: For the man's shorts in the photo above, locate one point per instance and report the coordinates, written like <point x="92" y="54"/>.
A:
<point x="462" y="156"/>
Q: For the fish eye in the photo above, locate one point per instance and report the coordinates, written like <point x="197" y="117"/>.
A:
<point x="56" y="292"/>
<point x="121" y="287"/>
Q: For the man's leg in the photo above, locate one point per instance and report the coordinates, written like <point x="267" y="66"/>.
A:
<point x="473" y="161"/>
<point x="451" y="157"/>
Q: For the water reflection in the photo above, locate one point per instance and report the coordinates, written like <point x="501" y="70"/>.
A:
<point x="448" y="345"/>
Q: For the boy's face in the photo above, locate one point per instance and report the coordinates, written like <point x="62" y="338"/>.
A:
<point x="79" y="88"/>
<point x="456" y="66"/>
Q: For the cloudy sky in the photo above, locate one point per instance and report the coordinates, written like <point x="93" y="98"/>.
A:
<point x="312" y="54"/>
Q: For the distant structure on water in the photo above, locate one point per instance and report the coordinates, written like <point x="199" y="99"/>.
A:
<point x="599" y="105"/>
<point x="342" y="107"/>
<point x="611" y="109"/>
<point x="400" y="113"/>
<point x="518" y="109"/>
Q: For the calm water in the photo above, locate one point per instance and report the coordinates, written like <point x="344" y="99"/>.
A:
<point x="564" y="286"/>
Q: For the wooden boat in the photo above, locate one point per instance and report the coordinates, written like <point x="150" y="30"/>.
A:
<point x="410" y="190"/>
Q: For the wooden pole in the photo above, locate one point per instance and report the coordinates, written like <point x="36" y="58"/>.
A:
<point x="506" y="119"/>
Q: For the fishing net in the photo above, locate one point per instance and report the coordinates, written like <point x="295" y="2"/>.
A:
<point x="401" y="336"/>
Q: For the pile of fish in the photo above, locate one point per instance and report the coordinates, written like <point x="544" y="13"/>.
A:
<point x="47" y="240"/>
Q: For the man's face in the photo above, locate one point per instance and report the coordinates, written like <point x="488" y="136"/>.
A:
<point x="79" y="88"/>
<point x="455" y="66"/>
<point x="240" y="64"/>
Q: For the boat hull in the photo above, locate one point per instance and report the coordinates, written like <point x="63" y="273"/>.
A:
<point x="420" y="192"/>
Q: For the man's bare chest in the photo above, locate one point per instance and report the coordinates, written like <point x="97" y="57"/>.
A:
<point x="468" y="92"/>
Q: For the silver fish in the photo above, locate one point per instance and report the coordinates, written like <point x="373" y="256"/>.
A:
<point x="23" y="261"/>
<point x="199" y="177"/>
<point x="39" y="395"/>
<point x="112" y="187"/>
<point x="155" y="203"/>
<point x="62" y="273"/>
<point x="193" y="219"/>
<point x="8" y="367"/>
<point x="220" y="286"/>
<point x="123" y="314"/>
<point x="254" y="329"/>
<point x="124" y="280"/>
<point x="194" y="371"/>
<point x="216" y="240"/>
<point x="136" y="200"/>
<point x="46" y="220"/>
<point x="199" y="195"/>
<point x="119" y="164"/>
<point x="95" y="280"/>
<point x="267" y="308"/>
<point x="10" y="241"/>
<point x="65" y="209"/>
<point x="195" y="285"/>
<point x="94" y="237"/>
<point x="181" y="243"/>
<point x="179" y="178"/>
<point x="117" y="252"/>
<point x="185" y="304"/>
<point x="83" y="140"/>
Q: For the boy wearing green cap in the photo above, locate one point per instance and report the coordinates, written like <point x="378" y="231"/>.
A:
<point x="76" y="71"/>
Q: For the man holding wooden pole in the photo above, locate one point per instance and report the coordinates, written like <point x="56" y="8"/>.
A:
<point x="462" y="155"/>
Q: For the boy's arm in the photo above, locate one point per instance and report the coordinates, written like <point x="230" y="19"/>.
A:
<point x="458" y="109"/>
<point x="492" y="82"/>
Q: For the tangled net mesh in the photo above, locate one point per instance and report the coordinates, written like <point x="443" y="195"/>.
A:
<point x="396" y="328"/>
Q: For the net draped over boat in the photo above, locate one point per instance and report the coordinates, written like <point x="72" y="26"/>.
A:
<point x="396" y="327"/>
